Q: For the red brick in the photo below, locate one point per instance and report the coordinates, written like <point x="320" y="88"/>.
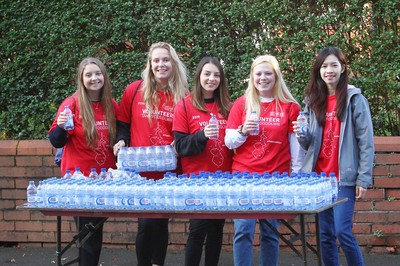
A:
<point x="7" y="161"/>
<point x="387" y="182"/>
<point x="7" y="183"/>
<point x="380" y="170"/>
<point x="371" y="216"/>
<point x="13" y="236"/>
<point x="29" y="161"/>
<point x="13" y="194"/>
<point x="42" y="237"/>
<point x="28" y="226"/>
<point x="8" y="147"/>
<point x="34" y="147"/>
<point x="387" y="228"/>
<point x="363" y="206"/>
<point x="370" y="240"/>
<point x="395" y="192"/>
<point x="15" y="215"/>
<point x="115" y="227"/>
<point x="12" y="171"/>
<point x="387" y="205"/>
<point x="387" y="158"/>
<point x="178" y="238"/>
<point x="7" y="225"/>
<point x="387" y="144"/>
<point x="361" y="228"/>
<point x="6" y="204"/>
<point x="375" y="194"/>
<point x="395" y="170"/>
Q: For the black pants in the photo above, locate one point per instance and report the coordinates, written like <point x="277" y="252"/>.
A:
<point x="151" y="241"/>
<point x="89" y="252"/>
<point x="199" y="229"/>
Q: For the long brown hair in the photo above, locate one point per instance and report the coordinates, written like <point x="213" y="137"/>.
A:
<point x="221" y="94"/>
<point x="317" y="90"/>
<point x="85" y="105"/>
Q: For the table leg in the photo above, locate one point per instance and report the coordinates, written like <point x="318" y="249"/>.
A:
<point x="303" y="239"/>
<point x="58" y="241"/>
<point x="318" y="239"/>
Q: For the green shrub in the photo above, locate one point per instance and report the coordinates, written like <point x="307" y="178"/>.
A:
<point x="43" y="43"/>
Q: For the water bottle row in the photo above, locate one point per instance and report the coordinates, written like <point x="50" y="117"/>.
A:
<point x="149" y="158"/>
<point x="225" y="192"/>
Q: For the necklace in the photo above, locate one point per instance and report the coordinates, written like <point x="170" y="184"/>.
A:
<point x="96" y="105"/>
<point x="213" y="107"/>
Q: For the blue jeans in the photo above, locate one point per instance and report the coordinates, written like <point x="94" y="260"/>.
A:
<point x="337" y="223"/>
<point x="243" y="242"/>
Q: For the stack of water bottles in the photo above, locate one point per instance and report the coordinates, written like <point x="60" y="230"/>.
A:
<point x="221" y="191"/>
<point x="149" y="158"/>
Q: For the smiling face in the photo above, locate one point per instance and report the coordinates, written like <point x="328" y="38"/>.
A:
<point x="330" y="72"/>
<point x="93" y="80"/>
<point x="264" y="79"/>
<point x="161" y="65"/>
<point x="210" y="78"/>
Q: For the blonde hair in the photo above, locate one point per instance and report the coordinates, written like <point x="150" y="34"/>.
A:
<point x="85" y="105"/>
<point x="280" y="91"/>
<point x="177" y="83"/>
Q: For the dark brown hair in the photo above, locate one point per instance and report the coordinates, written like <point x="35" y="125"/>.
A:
<point x="317" y="91"/>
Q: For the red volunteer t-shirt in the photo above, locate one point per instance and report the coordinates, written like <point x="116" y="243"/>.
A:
<point x="158" y="132"/>
<point x="76" y="151"/>
<point x="270" y="150"/>
<point x="329" y="152"/>
<point x="216" y="156"/>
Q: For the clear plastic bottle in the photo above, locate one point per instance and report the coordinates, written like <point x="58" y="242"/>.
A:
<point x="214" y="122"/>
<point x="302" y="123"/>
<point x="93" y="174"/>
<point x="69" y="125"/>
<point x="31" y="192"/>
<point x="68" y="174"/>
<point x="103" y="174"/>
<point x="39" y="194"/>
<point x="78" y="174"/>
<point x="334" y="184"/>
<point x="122" y="158"/>
<point x="170" y="158"/>
<point x="254" y="117"/>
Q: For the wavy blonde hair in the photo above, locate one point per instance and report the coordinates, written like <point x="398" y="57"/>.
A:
<point x="177" y="83"/>
<point x="280" y="91"/>
<point x="85" y="105"/>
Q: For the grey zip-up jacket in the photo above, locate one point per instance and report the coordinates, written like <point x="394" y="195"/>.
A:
<point x="356" y="142"/>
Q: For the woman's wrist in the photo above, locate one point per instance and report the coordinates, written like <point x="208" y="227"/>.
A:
<point x="240" y="130"/>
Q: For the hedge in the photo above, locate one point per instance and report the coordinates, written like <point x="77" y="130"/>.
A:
<point x="42" y="44"/>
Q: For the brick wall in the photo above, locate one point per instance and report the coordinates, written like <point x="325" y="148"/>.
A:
<point x="377" y="218"/>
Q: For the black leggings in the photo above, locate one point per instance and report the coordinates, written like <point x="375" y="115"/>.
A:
<point x="151" y="241"/>
<point x="89" y="252"/>
<point x="199" y="230"/>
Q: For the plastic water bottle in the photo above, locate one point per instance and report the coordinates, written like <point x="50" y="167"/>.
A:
<point x="39" y="194"/>
<point x="142" y="160"/>
<point x="151" y="158"/>
<point x="78" y="174"/>
<point x="122" y="158"/>
<point x="131" y="160"/>
<point x="214" y="122"/>
<point x="254" y="117"/>
<point x="170" y="158"/>
<point x="69" y="125"/>
<point x="103" y="174"/>
<point x="334" y="184"/>
<point x="68" y="174"/>
<point x="31" y="192"/>
<point x="302" y="123"/>
<point x="93" y="174"/>
<point x="159" y="153"/>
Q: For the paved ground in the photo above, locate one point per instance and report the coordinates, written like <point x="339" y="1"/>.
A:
<point x="27" y="256"/>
